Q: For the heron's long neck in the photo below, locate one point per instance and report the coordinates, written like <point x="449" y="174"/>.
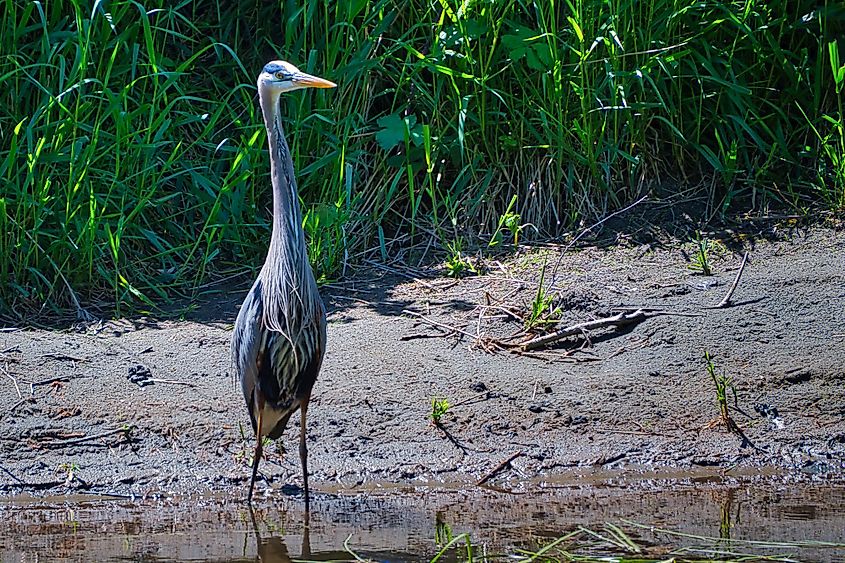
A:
<point x="287" y="216"/>
<point x="290" y="295"/>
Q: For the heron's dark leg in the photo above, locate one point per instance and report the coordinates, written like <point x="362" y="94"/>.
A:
<point x="306" y="536"/>
<point x="259" y="450"/>
<point x="303" y="449"/>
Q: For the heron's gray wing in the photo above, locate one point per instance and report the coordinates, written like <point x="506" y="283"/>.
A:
<point x="291" y="365"/>
<point x="246" y="343"/>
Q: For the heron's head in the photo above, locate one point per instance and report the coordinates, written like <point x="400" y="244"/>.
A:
<point x="281" y="76"/>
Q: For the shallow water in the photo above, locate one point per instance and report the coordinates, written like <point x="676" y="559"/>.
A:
<point x="413" y="524"/>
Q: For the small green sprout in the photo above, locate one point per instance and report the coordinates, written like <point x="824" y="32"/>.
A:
<point x="439" y="407"/>
<point x="541" y="307"/>
<point x="701" y="258"/>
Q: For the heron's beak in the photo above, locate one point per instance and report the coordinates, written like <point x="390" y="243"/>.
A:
<point x="307" y="80"/>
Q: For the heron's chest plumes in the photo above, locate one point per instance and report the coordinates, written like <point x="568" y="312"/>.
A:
<point x="291" y="301"/>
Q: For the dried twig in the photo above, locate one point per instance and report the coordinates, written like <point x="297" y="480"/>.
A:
<point x="82" y="440"/>
<point x="173" y="381"/>
<point x="438" y="324"/>
<point x="498" y="468"/>
<point x="587" y="230"/>
<point x="12" y="378"/>
<point x="625" y="317"/>
<point x="34" y="384"/>
<point x="62" y="356"/>
<point x="726" y="300"/>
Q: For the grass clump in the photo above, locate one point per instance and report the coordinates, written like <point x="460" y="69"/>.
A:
<point x="701" y="258"/>
<point x="439" y="408"/>
<point x="541" y="309"/>
<point x="510" y="221"/>
<point x="722" y="383"/>
<point x="457" y="264"/>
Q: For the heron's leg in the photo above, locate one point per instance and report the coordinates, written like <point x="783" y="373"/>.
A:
<point x="303" y="449"/>
<point x="259" y="450"/>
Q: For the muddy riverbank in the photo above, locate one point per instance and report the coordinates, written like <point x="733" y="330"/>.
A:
<point x="147" y="407"/>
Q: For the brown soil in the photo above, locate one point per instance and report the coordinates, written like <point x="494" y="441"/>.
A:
<point x="71" y="420"/>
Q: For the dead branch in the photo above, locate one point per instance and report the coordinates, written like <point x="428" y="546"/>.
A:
<point x="588" y="230"/>
<point x="626" y="316"/>
<point x="82" y="440"/>
<point x="617" y="321"/>
<point x="726" y="300"/>
<point x="498" y="468"/>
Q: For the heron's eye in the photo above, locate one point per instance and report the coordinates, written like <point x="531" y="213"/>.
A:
<point x="280" y="75"/>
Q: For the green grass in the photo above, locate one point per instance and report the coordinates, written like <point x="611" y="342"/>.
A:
<point x="701" y="258"/>
<point x="133" y="161"/>
<point x="722" y="383"/>
<point x="542" y="312"/>
<point x="439" y="408"/>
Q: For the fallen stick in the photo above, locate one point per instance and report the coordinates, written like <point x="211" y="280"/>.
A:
<point x="59" y="356"/>
<point x="82" y="440"/>
<point x="173" y="381"/>
<point x="587" y="230"/>
<point x="15" y="381"/>
<point x="498" y="468"/>
<point x="437" y="324"/>
<point x="34" y="384"/>
<point x="619" y="320"/>
<point x="726" y="300"/>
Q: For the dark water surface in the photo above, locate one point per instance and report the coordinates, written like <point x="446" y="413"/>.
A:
<point x="412" y="525"/>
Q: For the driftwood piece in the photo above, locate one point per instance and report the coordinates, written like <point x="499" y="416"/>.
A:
<point x="617" y="321"/>
<point x="623" y="318"/>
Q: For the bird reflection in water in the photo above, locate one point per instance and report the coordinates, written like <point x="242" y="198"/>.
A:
<point x="272" y="549"/>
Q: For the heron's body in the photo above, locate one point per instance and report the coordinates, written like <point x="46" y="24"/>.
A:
<point x="279" y="337"/>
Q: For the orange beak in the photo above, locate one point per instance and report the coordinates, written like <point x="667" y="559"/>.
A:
<point x="307" y="80"/>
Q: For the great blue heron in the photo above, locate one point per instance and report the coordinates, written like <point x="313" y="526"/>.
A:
<point x="280" y="334"/>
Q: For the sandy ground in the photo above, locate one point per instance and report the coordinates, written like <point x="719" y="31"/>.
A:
<point x="638" y="400"/>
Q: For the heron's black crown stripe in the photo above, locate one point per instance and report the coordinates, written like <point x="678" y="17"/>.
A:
<point x="273" y="68"/>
